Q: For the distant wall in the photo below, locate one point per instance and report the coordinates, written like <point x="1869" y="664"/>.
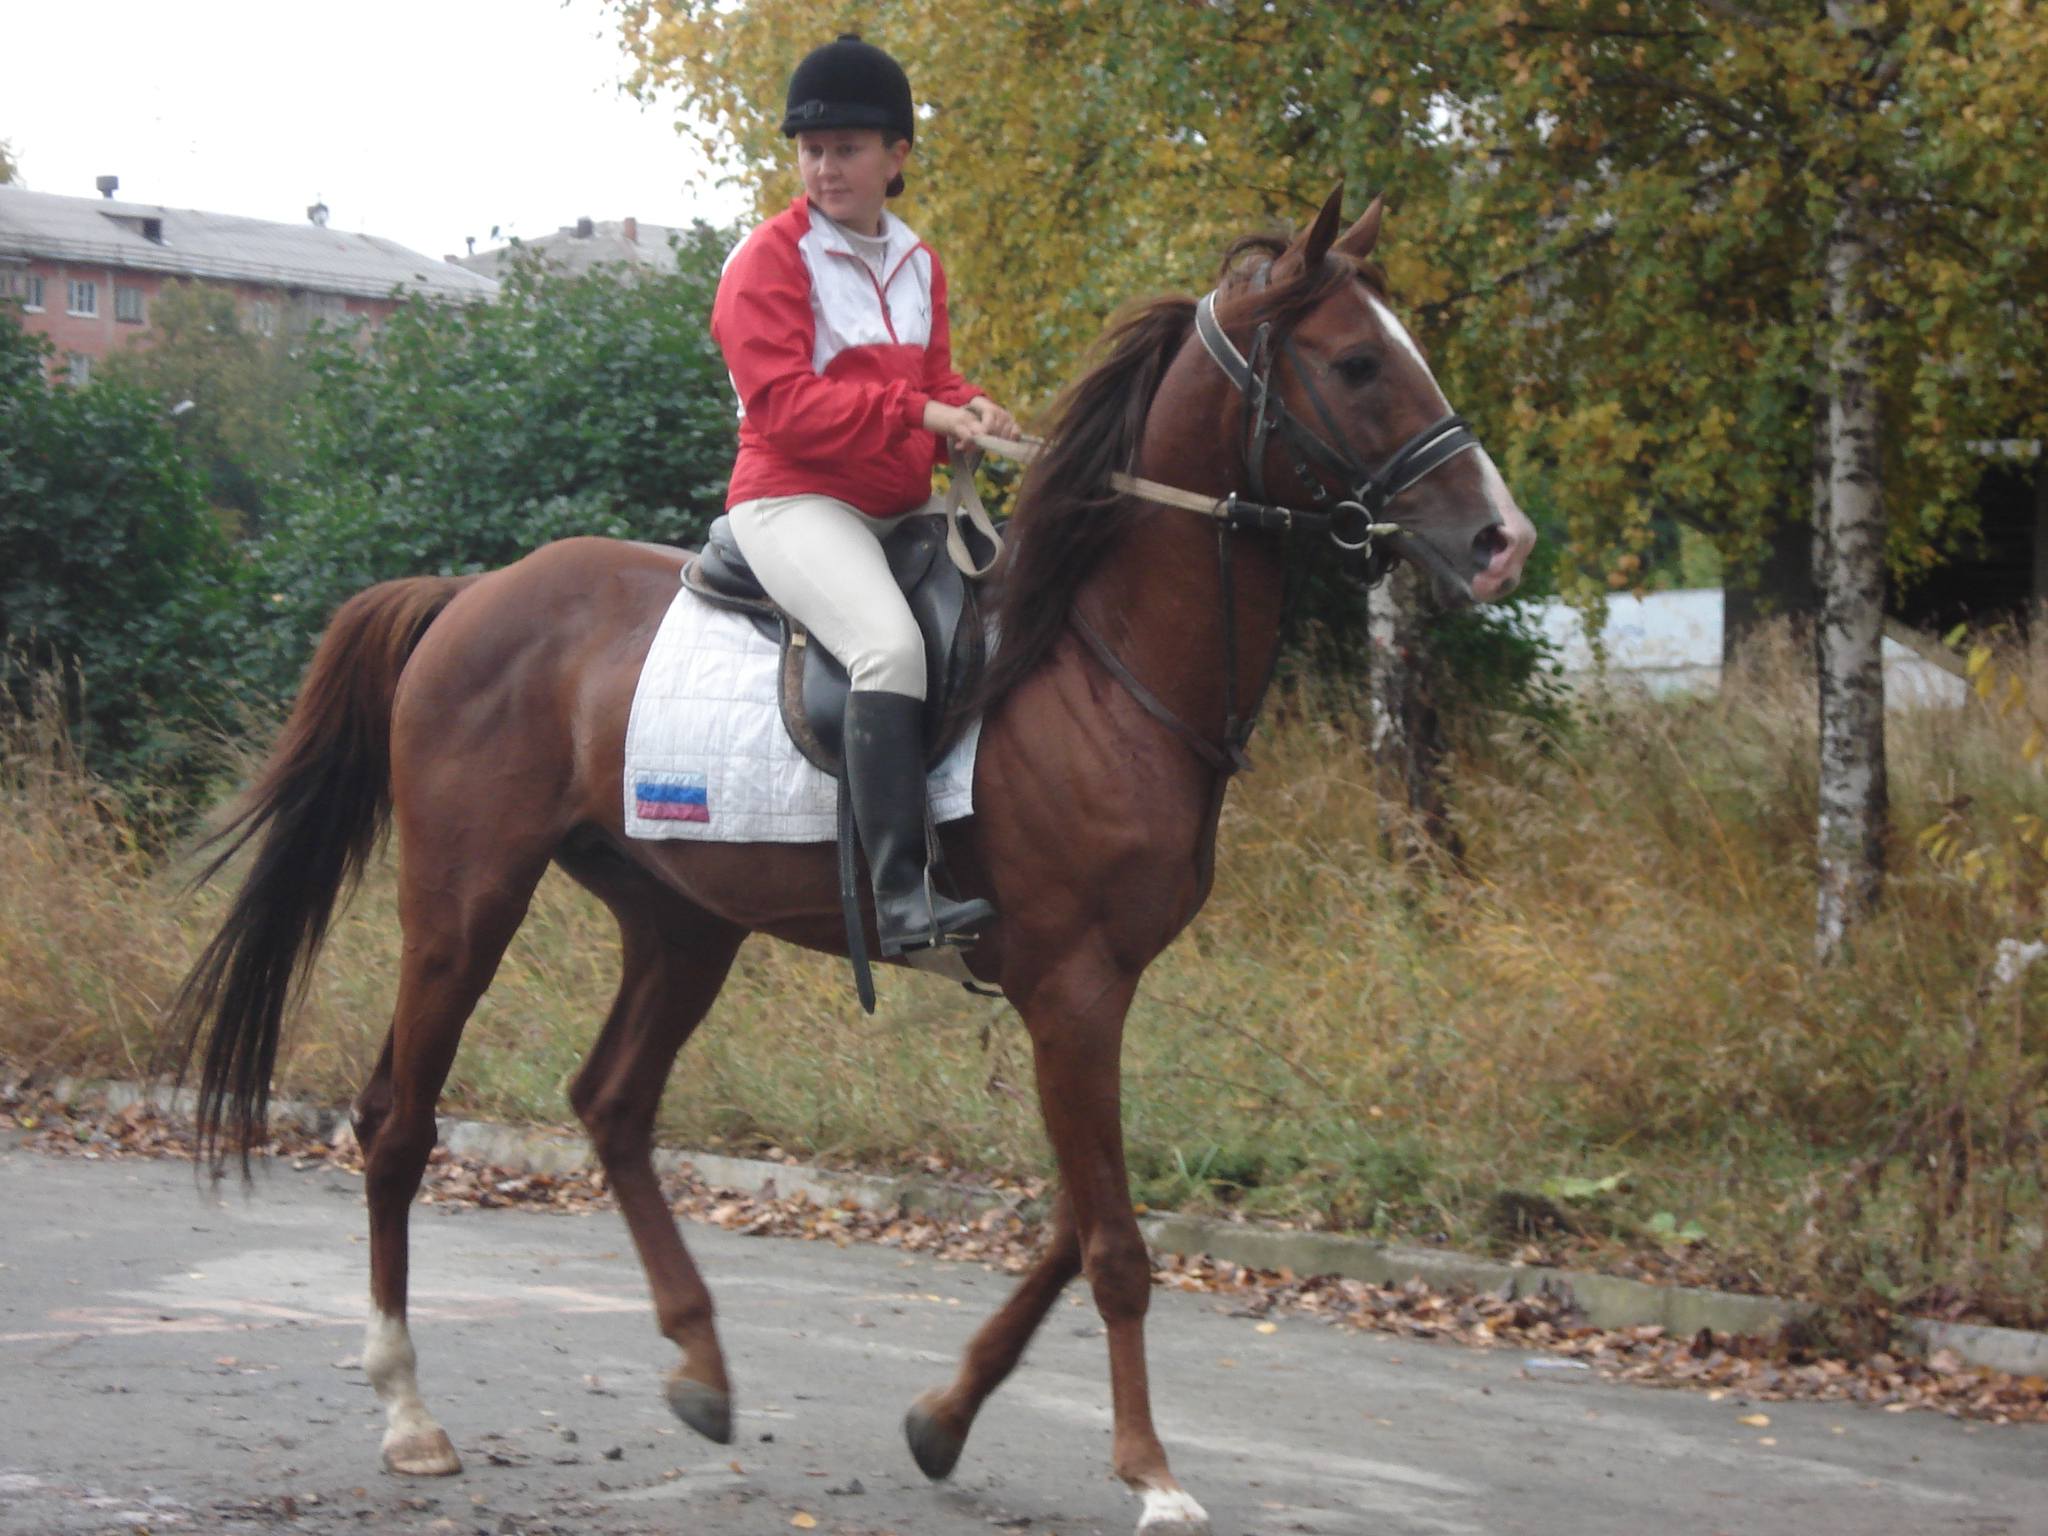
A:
<point x="1670" y="642"/>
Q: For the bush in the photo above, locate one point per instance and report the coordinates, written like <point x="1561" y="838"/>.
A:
<point x="461" y="439"/>
<point x="113" y="570"/>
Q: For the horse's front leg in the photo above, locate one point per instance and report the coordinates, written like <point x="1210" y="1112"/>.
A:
<point x="939" y="1421"/>
<point x="1076" y="1018"/>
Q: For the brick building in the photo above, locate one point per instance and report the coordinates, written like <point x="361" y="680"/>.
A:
<point x="86" y="271"/>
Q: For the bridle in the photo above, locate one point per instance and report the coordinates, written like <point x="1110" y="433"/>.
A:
<point x="1353" y="521"/>
<point x="1352" y="524"/>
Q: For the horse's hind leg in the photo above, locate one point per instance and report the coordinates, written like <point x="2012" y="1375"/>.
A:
<point x="938" y="1422"/>
<point x="675" y="958"/>
<point x="457" y="919"/>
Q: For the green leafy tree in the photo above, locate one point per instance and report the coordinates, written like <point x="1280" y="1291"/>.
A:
<point x="114" y="574"/>
<point x="8" y="168"/>
<point x="234" y="392"/>
<point x="461" y="439"/>
<point x="1812" y="282"/>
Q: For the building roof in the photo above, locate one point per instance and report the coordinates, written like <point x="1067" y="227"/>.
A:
<point x="576" y="248"/>
<point x="188" y="243"/>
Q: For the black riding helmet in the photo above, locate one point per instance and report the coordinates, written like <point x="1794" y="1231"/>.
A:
<point x="851" y="84"/>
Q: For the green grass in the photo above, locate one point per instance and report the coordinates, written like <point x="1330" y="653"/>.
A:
<point x="1621" y="983"/>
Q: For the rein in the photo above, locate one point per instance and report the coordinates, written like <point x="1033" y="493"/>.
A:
<point x="1236" y="510"/>
<point x="1352" y="525"/>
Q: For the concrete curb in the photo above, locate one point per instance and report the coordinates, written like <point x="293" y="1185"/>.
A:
<point x="1607" y="1301"/>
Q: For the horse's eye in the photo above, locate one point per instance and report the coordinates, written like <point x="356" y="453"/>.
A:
<point x="1359" y="368"/>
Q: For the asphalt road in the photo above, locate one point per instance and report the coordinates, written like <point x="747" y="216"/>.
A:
<point x="169" y="1363"/>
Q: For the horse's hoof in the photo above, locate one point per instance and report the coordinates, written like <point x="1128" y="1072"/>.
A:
<point x="935" y="1448"/>
<point x="705" y="1409"/>
<point x="1170" y="1512"/>
<point x="424" y="1453"/>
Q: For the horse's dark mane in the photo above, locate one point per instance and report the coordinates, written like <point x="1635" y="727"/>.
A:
<point x="1067" y="517"/>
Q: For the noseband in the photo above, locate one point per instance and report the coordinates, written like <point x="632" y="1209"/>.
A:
<point x="1350" y="524"/>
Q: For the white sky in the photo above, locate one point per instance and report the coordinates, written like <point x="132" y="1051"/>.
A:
<point x="419" y="120"/>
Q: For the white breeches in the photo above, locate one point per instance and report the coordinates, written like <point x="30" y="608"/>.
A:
<point x="822" y="561"/>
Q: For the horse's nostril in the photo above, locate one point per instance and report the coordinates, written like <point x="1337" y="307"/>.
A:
<point x="1489" y="542"/>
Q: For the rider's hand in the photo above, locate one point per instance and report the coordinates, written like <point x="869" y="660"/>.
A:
<point x="951" y="421"/>
<point x="995" y="421"/>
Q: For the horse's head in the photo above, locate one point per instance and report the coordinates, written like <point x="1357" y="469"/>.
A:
<point x="1341" y="411"/>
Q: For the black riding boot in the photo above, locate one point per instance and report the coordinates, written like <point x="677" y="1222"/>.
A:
<point x="885" y="778"/>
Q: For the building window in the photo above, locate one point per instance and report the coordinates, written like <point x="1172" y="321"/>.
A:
<point x="80" y="367"/>
<point x="32" y="295"/>
<point x="83" y="299"/>
<point x="128" y="305"/>
<point x="263" y="317"/>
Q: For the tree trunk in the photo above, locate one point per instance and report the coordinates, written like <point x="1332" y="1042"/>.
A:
<point x="1850" y="570"/>
<point x="1408" y="736"/>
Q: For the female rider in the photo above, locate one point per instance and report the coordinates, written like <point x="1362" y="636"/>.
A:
<point x="832" y="319"/>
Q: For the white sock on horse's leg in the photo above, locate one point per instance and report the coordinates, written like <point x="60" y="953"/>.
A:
<point x="414" y="1444"/>
<point x="1171" y="1512"/>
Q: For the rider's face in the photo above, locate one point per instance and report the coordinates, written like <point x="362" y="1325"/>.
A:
<point x="846" y="172"/>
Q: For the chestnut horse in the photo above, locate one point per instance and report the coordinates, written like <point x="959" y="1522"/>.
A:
<point x="486" y="715"/>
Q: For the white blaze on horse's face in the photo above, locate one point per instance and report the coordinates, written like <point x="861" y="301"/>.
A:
<point x="1518" y="535"/>
<point x="1391" y="324"/>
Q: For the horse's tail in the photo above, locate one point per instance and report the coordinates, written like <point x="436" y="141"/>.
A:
<point x="315" y="812"/>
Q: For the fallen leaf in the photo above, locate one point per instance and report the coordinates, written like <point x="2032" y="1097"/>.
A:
<point x="1755" y="1420"/>
<point x="802" y="1521"/>
<point x="1267" y="1328"/>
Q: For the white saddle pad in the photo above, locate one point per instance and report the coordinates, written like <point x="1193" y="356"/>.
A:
<point x="707" y="757"/>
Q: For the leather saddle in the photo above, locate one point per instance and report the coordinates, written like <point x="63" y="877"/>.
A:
<point x="813" y="682"/>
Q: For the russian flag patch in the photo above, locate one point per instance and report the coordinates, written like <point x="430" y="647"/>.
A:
<point x="671" y="797"/>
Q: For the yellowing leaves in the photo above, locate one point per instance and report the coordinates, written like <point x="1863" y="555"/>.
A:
<point x="1066" y="166"/>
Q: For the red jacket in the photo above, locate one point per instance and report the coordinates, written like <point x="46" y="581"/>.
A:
<point x="833" y="367"/>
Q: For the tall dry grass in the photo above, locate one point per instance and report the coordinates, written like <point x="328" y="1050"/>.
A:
<point x="1621" y="982"/>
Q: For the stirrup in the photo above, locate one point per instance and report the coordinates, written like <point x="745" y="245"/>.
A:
<point x="969" y="919"/>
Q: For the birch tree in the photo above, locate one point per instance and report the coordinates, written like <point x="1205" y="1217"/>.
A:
<point x="1853" y="792"/>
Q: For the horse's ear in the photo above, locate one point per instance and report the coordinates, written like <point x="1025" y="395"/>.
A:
<point x="1361" y="237"/>
<point x="1324" y="230"/>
